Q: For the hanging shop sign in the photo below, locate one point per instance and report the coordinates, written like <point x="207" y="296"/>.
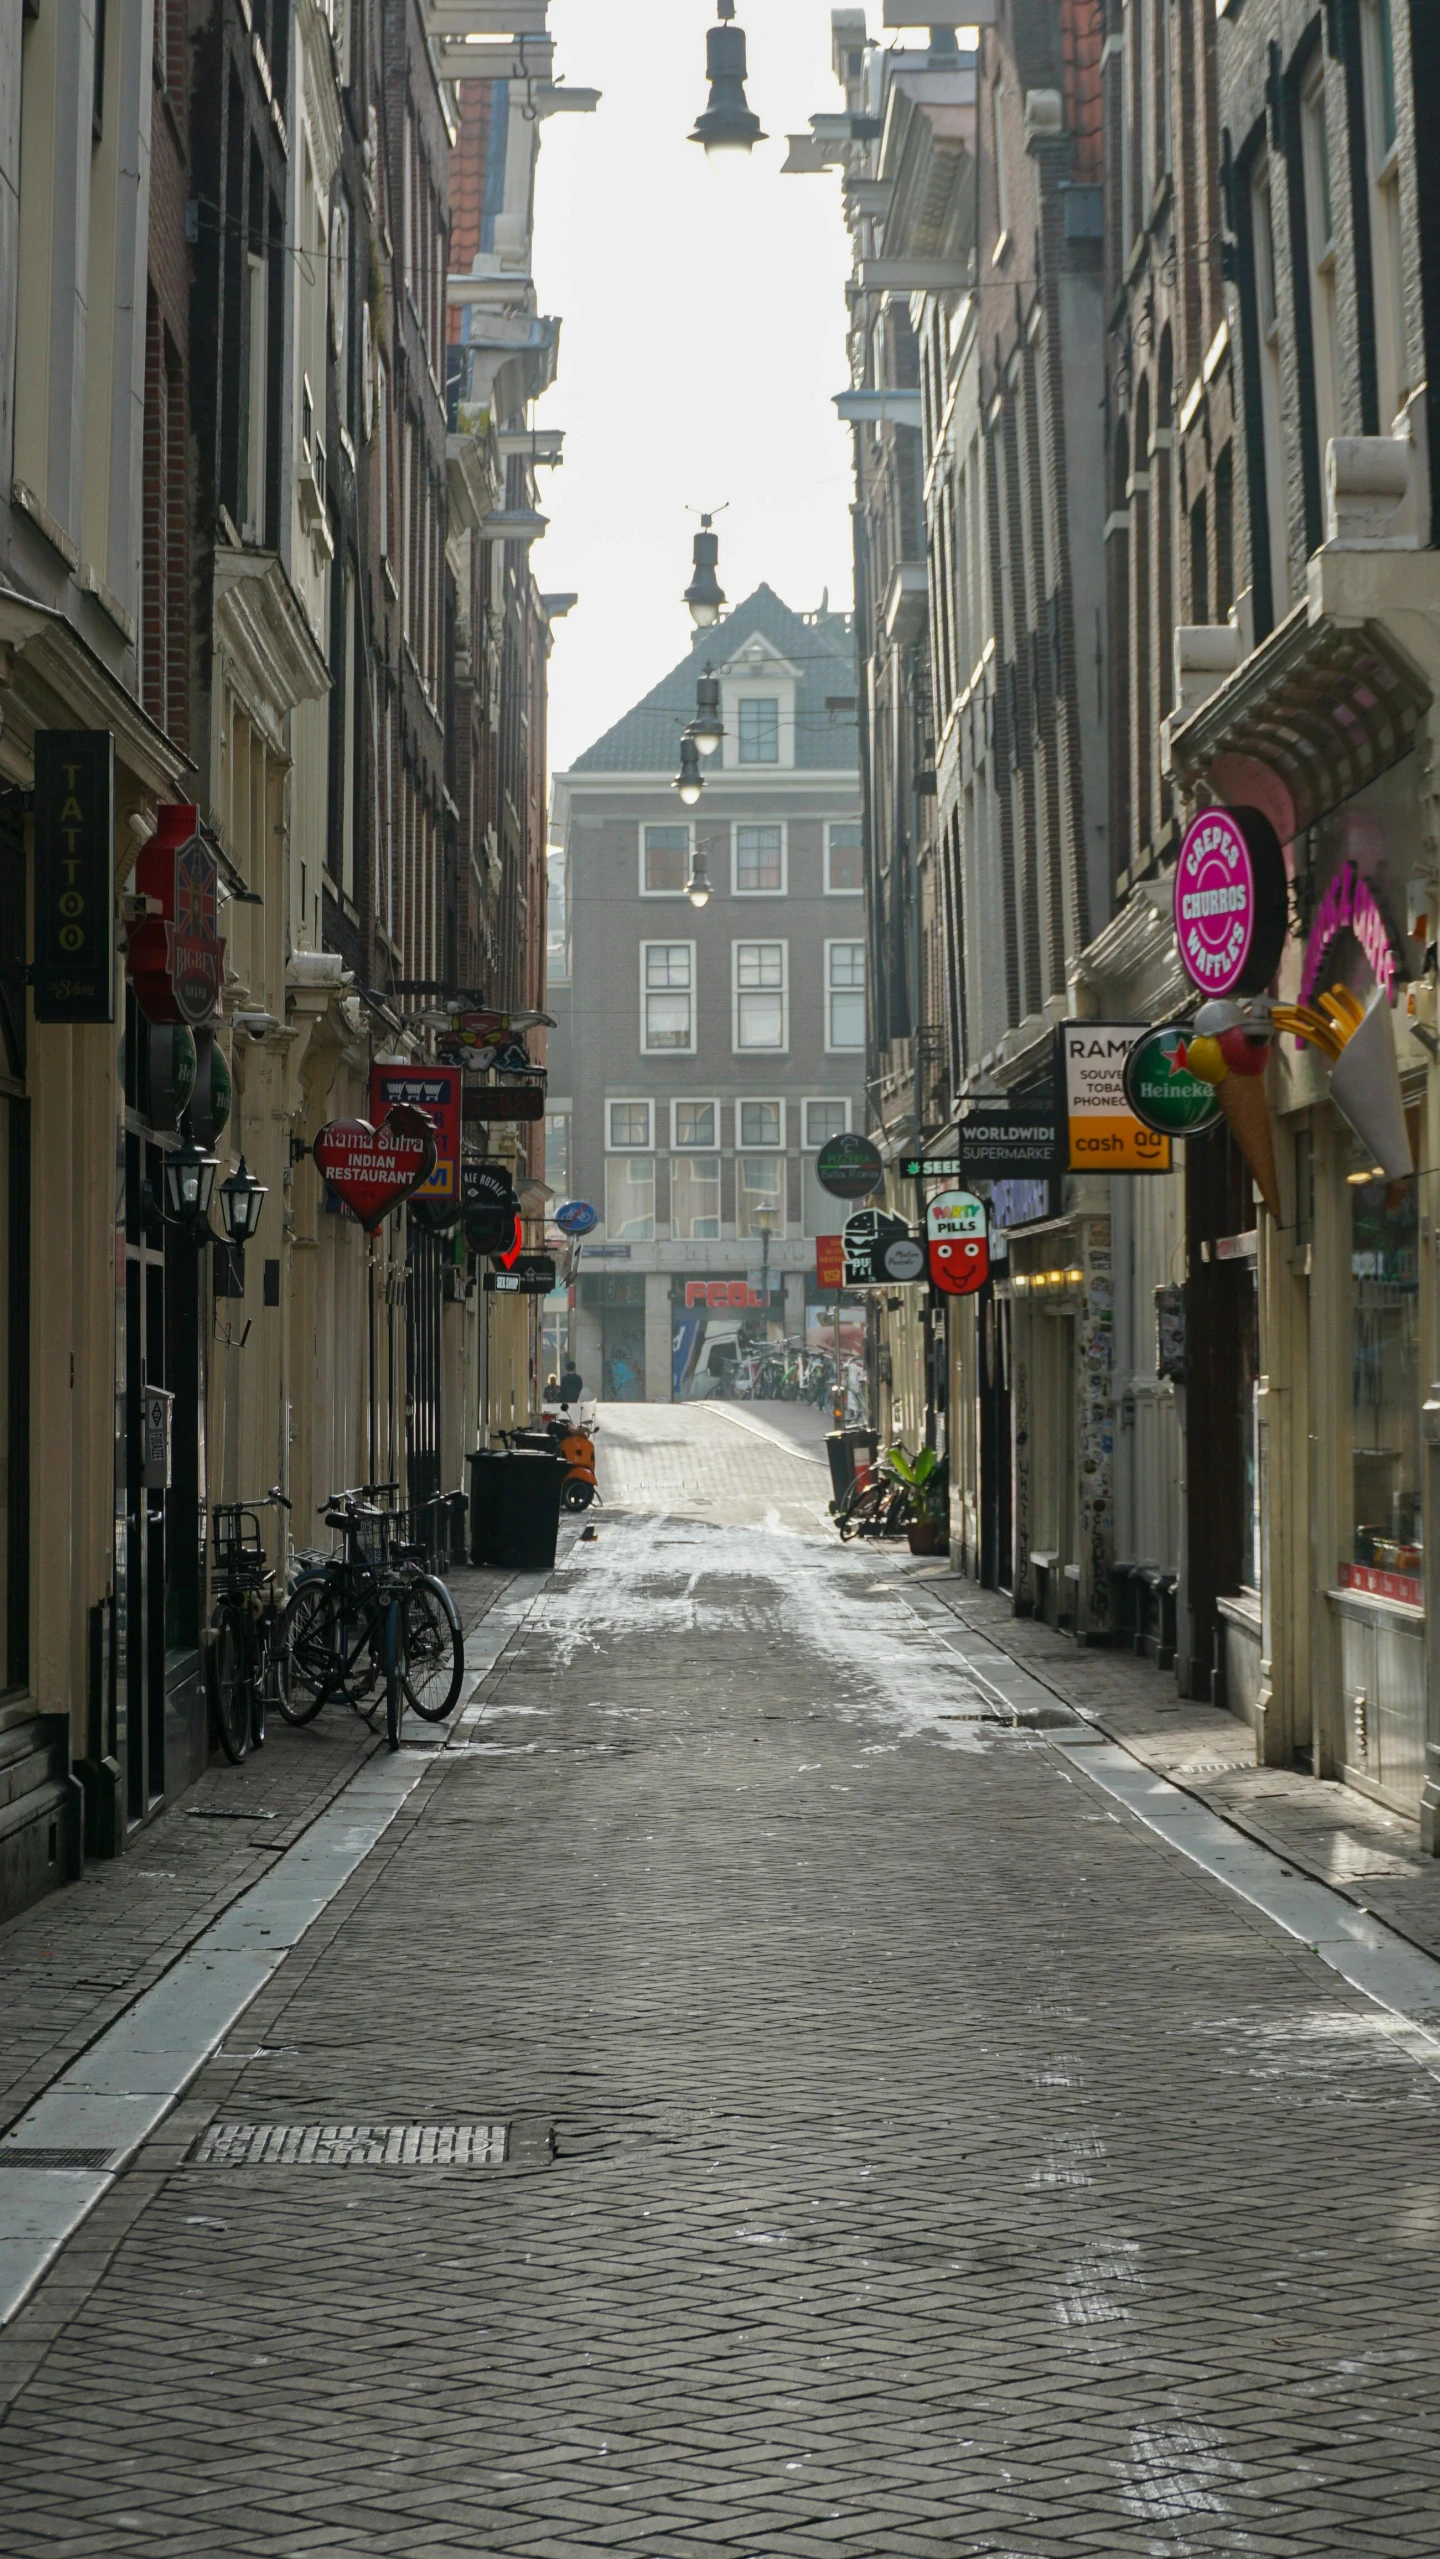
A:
<point x="1349" y="905"/>
<point x="1231" y="901"/>
<point x="492" y="1230"/>
<point x="435" y="1090"/>
<point x="157" y="1421"/>
<point x="865" y="1237"/>
<point x="74" y="975"/>
<point x="829" y="1261"/>
<point x="577" y="1217"/>
<point x="503" y="1102"/>
<point x="487" y="1185"/>
<point x="902" y="1259"/>
<point x="849" y="1168"/>
<point x="957" y="1244"/>
<point x="172" y="1063"/>
<point x="1103" y="1134"/>
<point x="1020" y="1204"/>
<point x="214" y="1093"/>
<point x="531" y="1275"/>
<point x="995" y="1142"/>
<point x="175" y="956"/>
<point x="1161" y="1089"/>
<point x="374" y="1169"/>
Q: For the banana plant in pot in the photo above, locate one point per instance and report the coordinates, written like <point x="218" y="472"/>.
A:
<point x="928" y="1477"/>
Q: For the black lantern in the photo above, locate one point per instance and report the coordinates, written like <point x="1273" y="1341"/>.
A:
<point x="704" y="594"/>
<point x="241" y="1200"/>
<point x="189" y="1182"/>
<point x="707" y="728"/>
<point x="689" y="781"/>
<point x="697" y="887"/>
<point x="727" y="123"/>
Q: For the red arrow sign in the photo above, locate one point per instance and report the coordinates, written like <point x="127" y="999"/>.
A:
<point x="374" y="1169"/>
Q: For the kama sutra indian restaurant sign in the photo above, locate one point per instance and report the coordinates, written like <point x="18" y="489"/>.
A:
<point x="373" y="1169"/>
<point x="74" y="875"/>
<point x="175" y="957"/>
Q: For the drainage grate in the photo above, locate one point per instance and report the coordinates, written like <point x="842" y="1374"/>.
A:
<point x="16" y="2155"/>
<point x="351" y="2146"/>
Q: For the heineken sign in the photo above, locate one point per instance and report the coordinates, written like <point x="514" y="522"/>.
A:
<point x="1160" y="1088"/>
<point x="849" y="1168"/>
<point x="74" y="875"/>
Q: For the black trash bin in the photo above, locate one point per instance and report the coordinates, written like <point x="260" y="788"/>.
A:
<point x="843" y="1448"/>
<point x="515" y="1508"/>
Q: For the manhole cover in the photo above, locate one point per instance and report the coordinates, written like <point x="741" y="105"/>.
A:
<point x="18" y="2156"/>
<point x="351" y="2146"/>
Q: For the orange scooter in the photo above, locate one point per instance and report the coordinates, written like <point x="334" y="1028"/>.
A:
<point x="576" y="1446"/>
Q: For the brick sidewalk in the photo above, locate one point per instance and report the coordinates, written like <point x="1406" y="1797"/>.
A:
<point x="73" y="1962"/>
<point x="1324" y="1828"/>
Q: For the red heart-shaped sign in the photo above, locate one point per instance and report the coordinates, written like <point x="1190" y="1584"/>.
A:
<point x="374" y="1169"/>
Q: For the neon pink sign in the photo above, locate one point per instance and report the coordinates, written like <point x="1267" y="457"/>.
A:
<point x="1214" y="901"/>
<point x="1349" y="901"/>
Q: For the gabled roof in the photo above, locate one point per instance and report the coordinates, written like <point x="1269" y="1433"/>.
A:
<point x="647" y="739"/>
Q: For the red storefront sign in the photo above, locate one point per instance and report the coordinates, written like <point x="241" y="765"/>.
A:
<point x="436" y="1091"/>
<point x="175" y="957"/>
<point x="829" y="1261"/>
<point x="374" y="1169"/>
<point x="722" y="1296"/>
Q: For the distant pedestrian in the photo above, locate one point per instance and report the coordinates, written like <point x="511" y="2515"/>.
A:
<point x="572" y="1385"/>
<point x="552" y="1388"/>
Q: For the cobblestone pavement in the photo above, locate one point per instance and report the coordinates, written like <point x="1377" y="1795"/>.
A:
<point x="907" y="2154"/>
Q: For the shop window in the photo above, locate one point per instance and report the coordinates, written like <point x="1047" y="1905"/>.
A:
<point x="760" y="1190"/>
<point x="695" y="1199"/>
<point x="844" y="859"/>
<point x="630" y="1199"/>
<point x="1385" y="1552"/>
<point x="664" y="861"/>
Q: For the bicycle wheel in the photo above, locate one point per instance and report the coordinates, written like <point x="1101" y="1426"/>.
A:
<point x="310" y="1650"/>
<point x="860" y="1515"/>
<point x="432" y="1648"/>
<point x="394" y="1675"/>
<point x="227" y="1668"/>
<point x="899" y="1511"/>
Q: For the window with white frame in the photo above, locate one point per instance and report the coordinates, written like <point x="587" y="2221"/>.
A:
<point x="759" y="729"/>
<point x="1267" y="312"/>
<point x="1392" y="363"/>
<point x="1320" y="247"/>
<point x="630" y="1124"/>
<point x="630" y="1199"/>
<point x="760" y="1195"/>
<point x="844" y="995"/>
<point x="695" y="1199"/>
<point x="825" y="1119"/>
<point x="761" y="991"/>
<point x="695" y="1123"/>
<point x="664" y="860"/>
<point x="844" y="858"/>
<point x="759" y="861"/>
<point x="667" y="995"/>
<point x="760" y="1123"/>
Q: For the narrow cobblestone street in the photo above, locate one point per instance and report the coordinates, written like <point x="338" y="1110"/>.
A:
<point x="903" y="2146"/>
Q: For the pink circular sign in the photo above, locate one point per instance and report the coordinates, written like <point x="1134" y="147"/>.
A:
<point x="1215" y="901"/>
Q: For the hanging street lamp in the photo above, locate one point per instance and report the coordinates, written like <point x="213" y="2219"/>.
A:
<point x="241" y="1200"/>
<point x="689" y="781"/>
<point x="697" y="887"/>
<point x="704" y="594"/>
<point x="707" y="728"/>
<point x="727" y="123"/>
<point x="189" y="1181"/>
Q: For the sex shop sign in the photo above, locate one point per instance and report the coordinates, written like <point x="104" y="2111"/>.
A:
<point x="175" y="957"/>
<point x="436" y="1091"/>
<point x="1231" y="901"/>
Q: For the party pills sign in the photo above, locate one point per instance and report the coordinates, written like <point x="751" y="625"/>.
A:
<point x="1230" y="901"/>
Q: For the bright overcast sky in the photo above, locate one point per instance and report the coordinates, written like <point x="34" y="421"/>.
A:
<point x="704" y="336"/>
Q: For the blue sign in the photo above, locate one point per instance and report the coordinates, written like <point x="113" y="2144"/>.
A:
<point x="576" y="1217"/>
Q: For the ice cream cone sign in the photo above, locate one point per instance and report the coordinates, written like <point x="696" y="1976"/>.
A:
<point x="1229" y="1051"/>
<point x="1358" y="1045"/>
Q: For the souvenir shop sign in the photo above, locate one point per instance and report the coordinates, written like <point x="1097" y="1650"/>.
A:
<point x="957" y="1243"/>
<point x="1231" y="901"/>
<point x="1103" y="1133"/>
<point x="436" y="1091"/>
<point x="1349" y="904"/>
<point x="175" y="956"/>
<point x="374" y="1169"/>
<point x="74" y="875"/>
<point x="503" y="1102"/>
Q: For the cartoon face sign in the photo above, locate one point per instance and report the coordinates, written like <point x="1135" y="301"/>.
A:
<point x="957" y="1244"/>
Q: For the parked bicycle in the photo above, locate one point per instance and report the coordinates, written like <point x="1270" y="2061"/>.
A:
<point x="243" y="1626"/>
<point x="370" y="1625"/>
<point x="878" y="1504"/>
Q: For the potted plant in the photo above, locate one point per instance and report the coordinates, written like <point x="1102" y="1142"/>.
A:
<point x="928" y="1478"/>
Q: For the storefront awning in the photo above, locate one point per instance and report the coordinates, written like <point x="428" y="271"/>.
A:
<point x="1325" y="705"/>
